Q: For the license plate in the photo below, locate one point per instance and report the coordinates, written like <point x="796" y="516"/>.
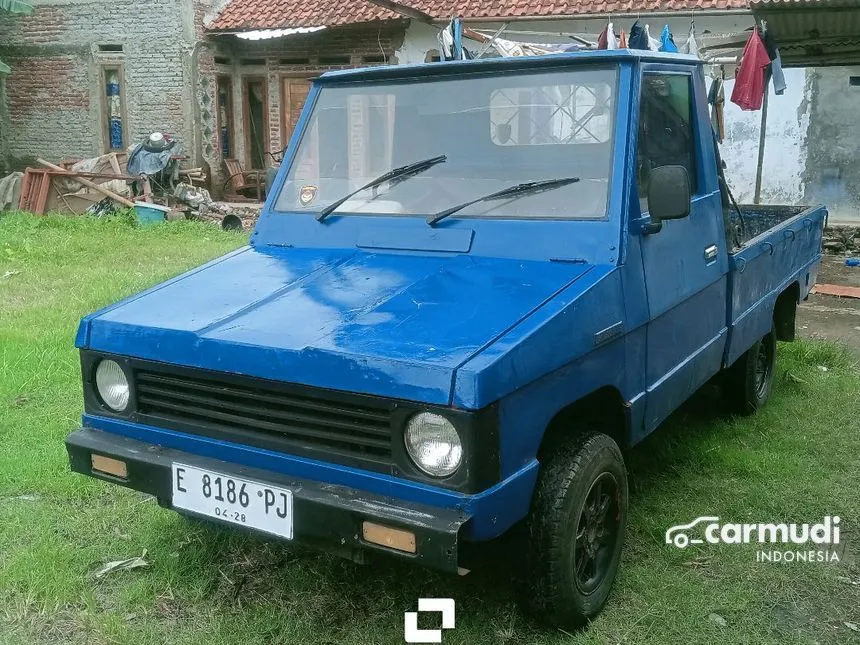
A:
<point x="235" y="500"/>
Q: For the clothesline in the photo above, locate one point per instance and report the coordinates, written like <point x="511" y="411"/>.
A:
<point x="753" y="67"/>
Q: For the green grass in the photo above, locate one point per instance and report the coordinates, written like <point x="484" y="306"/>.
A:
<point x="798" y="460"/>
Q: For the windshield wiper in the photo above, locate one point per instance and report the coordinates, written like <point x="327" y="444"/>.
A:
<point x="395" y="173"/>
<point x="512" y="191"/>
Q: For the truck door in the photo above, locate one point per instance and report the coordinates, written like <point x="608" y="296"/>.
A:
<point x="684" y="264"/>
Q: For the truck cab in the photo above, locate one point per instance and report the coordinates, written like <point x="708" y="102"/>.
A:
<point x="472" y="287"/>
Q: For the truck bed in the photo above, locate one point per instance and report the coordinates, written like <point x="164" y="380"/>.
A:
<point x="757" y="219"/>
<point x="776" y="248"/>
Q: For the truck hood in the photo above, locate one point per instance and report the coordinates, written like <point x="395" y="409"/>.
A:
<point x="386" y="324"/>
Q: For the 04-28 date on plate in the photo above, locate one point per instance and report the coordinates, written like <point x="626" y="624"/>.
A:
<point x="233" y="499"/>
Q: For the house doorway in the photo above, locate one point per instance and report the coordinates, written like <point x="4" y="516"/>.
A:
<point x="255" y="102"/>
<point x="294" y="93"/>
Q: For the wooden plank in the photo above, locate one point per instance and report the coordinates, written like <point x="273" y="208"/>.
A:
<point x="25" y="189"/>
<point x="86" y="182"/>
<point x="42" y="195"/>
<point x="236" y="174"/>
<point x="839" y="290"/>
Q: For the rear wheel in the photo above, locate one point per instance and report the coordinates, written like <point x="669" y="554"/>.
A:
<point x="749" y="381"/>
<point x="575" y="531"/>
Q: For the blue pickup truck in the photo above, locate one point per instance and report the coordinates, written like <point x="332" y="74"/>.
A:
<point x="473" y="286"/>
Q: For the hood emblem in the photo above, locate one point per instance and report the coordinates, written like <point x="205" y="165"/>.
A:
<point x="307" y="194"/>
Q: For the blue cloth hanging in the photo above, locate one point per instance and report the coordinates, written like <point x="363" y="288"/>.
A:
<point x="115" y="133"/>
<point x="225" y="141"/>
<point x="457" y="29"/>
<point x="667" y="43"/>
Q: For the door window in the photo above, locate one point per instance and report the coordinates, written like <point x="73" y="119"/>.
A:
<point x="666" y="136"/>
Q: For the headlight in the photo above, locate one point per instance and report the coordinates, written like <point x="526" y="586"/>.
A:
<point x="112" y="385"/>
<point x="433" y="444"/>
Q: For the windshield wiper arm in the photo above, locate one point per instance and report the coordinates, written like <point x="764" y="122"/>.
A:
<point x="395" y="173"/>
<point x="511" y="191"/>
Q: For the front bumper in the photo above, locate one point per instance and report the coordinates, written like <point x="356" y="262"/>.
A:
<point x="325" y="516"/>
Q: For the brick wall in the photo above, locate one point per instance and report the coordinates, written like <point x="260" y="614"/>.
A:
<point x="55" y="92"/>
<point x="54" y="108"/>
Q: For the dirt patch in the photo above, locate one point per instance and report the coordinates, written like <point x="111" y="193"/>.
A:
<point x="824" y="317"/>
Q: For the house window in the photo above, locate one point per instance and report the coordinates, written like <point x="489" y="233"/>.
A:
<point x="113" y="101"/>
<point x="225" y="117"/>
<point x="554" y="114"/>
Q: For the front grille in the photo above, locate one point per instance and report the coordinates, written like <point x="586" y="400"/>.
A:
<point x="263" y="414"/>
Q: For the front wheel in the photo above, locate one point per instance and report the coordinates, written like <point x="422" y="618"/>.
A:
<point x="749" y="381"/>
<point x="575" y="531"/>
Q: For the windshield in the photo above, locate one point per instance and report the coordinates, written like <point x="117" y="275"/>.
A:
<point x="495" y="131"/>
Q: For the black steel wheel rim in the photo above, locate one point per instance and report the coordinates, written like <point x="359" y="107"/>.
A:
<point x="763" y="365"/>
<point x="597" y="531"/>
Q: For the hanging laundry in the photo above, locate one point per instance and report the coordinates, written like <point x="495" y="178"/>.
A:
<point x="749" y="88"/>
<point x="778" y="76"/>
<point x="775" y="60"/>
<point x="638" y="38"/>
<point x="611" y="38"/>
<point x="451" y="42"/>
<point x="622" y="40"/>
<point x="446" y="43"/>
<point x="653" y="43"/>
<point x="515" y="48"/>
<point x="607" y="38"/>
<point x="667" y="43"/>
<point x="717" y="101"/>
<point x="690" y="45"/>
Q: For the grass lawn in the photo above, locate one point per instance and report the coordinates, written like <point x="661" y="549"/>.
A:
<point x="797" y="460"/>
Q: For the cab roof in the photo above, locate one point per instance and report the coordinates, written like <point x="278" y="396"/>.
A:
<point x="508" y="63"/>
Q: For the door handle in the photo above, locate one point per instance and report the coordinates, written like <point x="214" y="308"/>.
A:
<point x="711" y="252"/>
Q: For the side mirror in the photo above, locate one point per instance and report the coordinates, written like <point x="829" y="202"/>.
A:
<point x="668" y="195"/>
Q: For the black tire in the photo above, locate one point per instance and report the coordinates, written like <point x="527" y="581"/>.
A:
<point x="749" y="381"/>
<point x="581" y="490"/>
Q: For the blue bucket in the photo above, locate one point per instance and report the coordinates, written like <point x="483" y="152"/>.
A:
<point x="150" y="213"/>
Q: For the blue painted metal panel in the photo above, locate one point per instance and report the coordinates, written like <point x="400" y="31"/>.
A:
<point x="82" y="338"/>
<point x="673" y="388"/>
<point x="764" y="268"/>
<point x="490" y="508"/>
<point x="592" y="241"/>
<point x="555" y="335"/>
<point x="509" y="65"/>
<point x="525" y="414"/>
<point x="376" y="323"/>
<point x="454" y="240"/>
<point x="680" y="332"/>
<point x="686" y="291"/>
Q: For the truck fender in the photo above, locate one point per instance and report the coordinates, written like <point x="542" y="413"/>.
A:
<point x="785" y="312"/>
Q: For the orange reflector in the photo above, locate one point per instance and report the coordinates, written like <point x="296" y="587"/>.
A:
<point x="388" y="537"/>
<point x="109" y="466"/>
